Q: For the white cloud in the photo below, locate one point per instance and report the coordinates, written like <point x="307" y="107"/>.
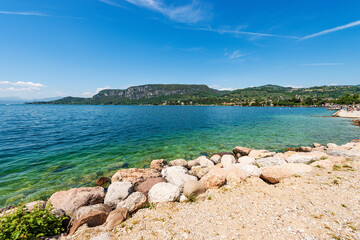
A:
<point x="190" y="13"/>
<point x="90" y="94"/>
<point x="294" y="86"/>
<point x="225" y="89"/>
<point x="25" y="13"/>
<point x="331" y="30"/>
<point x="20" y="86"/>
<point x="323" y="64"/>
<point x="238" y="31"/>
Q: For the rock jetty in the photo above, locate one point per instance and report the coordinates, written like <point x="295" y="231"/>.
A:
<point x="98" y="213"/>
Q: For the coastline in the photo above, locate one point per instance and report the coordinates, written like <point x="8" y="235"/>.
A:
<point x="242" y="170"/>
<point x="347" y="114"/>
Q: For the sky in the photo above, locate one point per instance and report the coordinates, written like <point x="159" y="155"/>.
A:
<point x="52" y="48"/>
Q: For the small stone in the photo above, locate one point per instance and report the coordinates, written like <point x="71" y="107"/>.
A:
<point x="38" y="204"/>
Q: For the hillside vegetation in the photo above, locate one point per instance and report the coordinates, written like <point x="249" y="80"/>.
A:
<point x="179" y="94"/>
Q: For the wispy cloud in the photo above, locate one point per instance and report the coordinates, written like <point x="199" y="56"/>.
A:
<point x="190" y="13"/>
<point x="25" y="13"/>
<point x="322" y="64"/>
<point x="20" y="86"/>
<point x="331" y="30"/>
<point x="238" y="32"/>
<point x="234" y="55"/>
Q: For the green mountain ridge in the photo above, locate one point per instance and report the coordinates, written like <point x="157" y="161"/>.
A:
<point x="182" y="94"/>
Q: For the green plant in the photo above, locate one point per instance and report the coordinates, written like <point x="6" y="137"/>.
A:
<point x="336" y="167"/>
<point x="191" y="198"/>
<point x="34" y="224"/>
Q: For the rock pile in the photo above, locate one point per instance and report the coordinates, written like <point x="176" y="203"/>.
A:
<point x="132" y="189"/>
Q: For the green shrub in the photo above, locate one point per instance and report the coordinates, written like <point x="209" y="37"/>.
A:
<point x="34" y="224"/>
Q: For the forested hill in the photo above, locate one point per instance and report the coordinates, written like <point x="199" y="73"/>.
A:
<point x="180" y="94"/>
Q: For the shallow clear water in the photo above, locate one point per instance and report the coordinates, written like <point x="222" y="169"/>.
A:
<point x="44" y="149"/>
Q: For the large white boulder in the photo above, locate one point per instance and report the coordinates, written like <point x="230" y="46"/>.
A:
<point x="164" y="192"/>
<point x="177" y="176"/>
<point x="117" y="192"/>
<point x="246" y="160"/>
<point x="250" y="170"/>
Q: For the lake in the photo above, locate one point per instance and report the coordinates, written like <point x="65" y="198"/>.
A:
<point x="47" y="148"/>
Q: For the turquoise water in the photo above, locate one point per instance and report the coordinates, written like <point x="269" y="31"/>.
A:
<point x="44" y="149"/>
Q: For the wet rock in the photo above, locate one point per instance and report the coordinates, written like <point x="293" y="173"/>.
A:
<point x="72" y="199"/>
<point x="215" y="178"/>
<point x="134" y="175"/>
<point x="116" y="217"/>
<point x="178" y="162"/>
<point x="148" y="184"/>
<point x="275" y="174"/>
<point x="164" y="192"/>
<point x="193" y="188"/>
<point x="158" y="164"/>
<point x="117" y="192"/>
<point x="102" y="181"/>
<point x="93" y="216"/>
<point x="134" y="202"/>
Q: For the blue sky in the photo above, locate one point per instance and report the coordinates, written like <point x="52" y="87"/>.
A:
<point x="77" y="47"/>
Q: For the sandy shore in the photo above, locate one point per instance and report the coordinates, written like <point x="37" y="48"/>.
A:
<point x="346" y="114"/>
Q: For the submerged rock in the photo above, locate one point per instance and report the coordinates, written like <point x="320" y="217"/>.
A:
<point x="102" y="181"/>
<point x="72" y="199"/>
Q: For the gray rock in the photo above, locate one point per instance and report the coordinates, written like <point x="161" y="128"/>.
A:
<point x="344" y="153"/>
<point x="117" y="192"/>
<point x="269" y="161"/>
<point x="305" y="158"/>
<point x="199" y="171"/>
<point x="164" y="192"/>
<point x="178" y="162"/>
<point x="134" y="202"/>
<point x="228" y="161"/>
<point x="177" y="176"/>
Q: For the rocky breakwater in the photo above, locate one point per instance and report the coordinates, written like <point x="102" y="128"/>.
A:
<point x="180" y="180"/>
